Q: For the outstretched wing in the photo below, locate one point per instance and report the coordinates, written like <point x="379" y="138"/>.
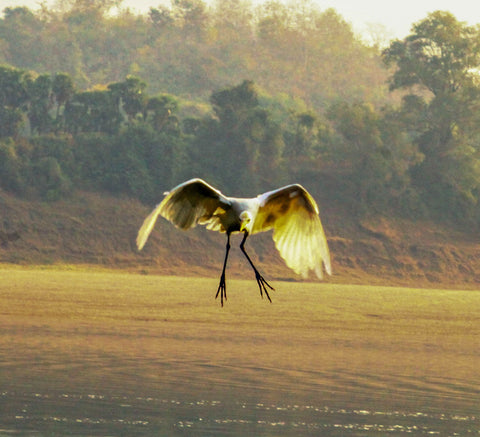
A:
<point x="297" y="230"/>
<point x="188" y="204"/>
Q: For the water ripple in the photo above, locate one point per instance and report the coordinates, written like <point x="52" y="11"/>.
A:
<point x="110" y="413"/>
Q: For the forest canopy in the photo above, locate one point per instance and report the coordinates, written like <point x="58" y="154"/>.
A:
<point x="191" y="49"/>
<point x="243" y="97"/>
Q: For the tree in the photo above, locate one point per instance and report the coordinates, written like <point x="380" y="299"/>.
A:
<point x="376" y="153"/>
<point x="232" y="105"/>
<point x="192" y="16"/>
<point x="20" y="29"/>
<point x="241" y="146"/>
<point x="93" y="111"/>
<point x="14" y="98"/>
<point x="161" y="18"/>
<point x="11" y="167"/>
<point x="130" y="96"/>
<point x="41" y="102"/>
<point x="103" y="6"/>
<point x="13" y="87"/>
<point x="63" y="90"/>
<point x="439" y="55"/>
<point x="439" y="64"/>
<point x="304" y="138"/>
<point x="49" y="179"/>
<point x="160" y="112"/>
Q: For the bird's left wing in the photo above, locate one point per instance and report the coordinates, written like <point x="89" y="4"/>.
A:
<point x="297" y="230"/>
<point x="188" y="204"/>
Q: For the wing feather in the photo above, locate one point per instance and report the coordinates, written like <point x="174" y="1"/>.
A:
<point x="190" y="203"/>
<point x="297" y="230"/>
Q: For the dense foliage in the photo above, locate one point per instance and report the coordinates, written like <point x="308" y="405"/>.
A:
<point x="192" y="50"/>
<point x="135" y="104"/>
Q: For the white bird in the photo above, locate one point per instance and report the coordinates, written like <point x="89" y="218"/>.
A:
<point x="290" y="211"/>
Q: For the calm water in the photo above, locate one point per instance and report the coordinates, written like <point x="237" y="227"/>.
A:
<point x="103" y="398"/>
<point x="96" y="362"/>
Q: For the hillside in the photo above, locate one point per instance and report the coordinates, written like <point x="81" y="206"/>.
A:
<point x="99" y="230"/>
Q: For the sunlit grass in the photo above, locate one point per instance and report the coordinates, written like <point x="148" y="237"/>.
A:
<point x="71" y="291"/>
<point x="332" y="323"/>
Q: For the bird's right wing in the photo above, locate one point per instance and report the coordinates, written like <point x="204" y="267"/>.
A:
<point x="188" y="204"/>
<point x="297" y="230"/>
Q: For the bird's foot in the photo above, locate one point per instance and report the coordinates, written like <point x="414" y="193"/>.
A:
<point x="222" y="289"/>
<point x="262" y="285"/>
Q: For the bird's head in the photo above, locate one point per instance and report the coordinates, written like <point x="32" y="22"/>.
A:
<point x="245" y="221"/>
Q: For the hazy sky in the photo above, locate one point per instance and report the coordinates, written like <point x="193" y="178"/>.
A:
<point x="397" y="17"/>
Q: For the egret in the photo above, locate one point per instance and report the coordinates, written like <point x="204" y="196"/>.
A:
<point x="290" y="211"/>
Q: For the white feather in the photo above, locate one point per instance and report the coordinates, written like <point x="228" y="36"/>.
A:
<point x="290" y="211"/>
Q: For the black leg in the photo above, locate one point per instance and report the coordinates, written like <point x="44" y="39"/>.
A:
<point x="262" y="283"/>
<point x="222" y="287"/>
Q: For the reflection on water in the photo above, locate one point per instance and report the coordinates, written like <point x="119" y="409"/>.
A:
<point x="100" y="392"/>
<point x="28" y="413"/>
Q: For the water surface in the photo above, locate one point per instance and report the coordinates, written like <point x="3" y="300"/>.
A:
<point x="82" y="357"/>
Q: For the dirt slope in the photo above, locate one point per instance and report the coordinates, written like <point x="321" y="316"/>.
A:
<point x="101" y="230"/>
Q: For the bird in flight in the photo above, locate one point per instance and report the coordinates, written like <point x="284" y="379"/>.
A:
<point x="290" y="211"/>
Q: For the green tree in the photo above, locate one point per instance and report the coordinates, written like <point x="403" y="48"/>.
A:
<point x="232" y="105"/>
<point x="192" y="17"/>
<point x="11" y="121"/>
<point x="92" y="155"/>
<point x="102" y="6"/>
<point x="60" y="147"/>
<point x="41" y="103"/>
<point x="49" y="179"/>
<point x="11" y="168"/>
<point x="317" y="54"/>
<point x="376" y="154"/>
<point x="93" y="111"/>
<point x="20" y="28"/>
<point x="130" y="96"/>
<point x="63" y="90"/>
<point x="361" y="149"/>
<point x="13" y="87"/>
<point x="241" y="147"/>
<point x="14" y="98"/>
<point x="304" y="139"/>
<point x="439" y="64"/>
<point x="128" y="170"/>
<point x="160" y="112"/>
<point x="161" y="18"/>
